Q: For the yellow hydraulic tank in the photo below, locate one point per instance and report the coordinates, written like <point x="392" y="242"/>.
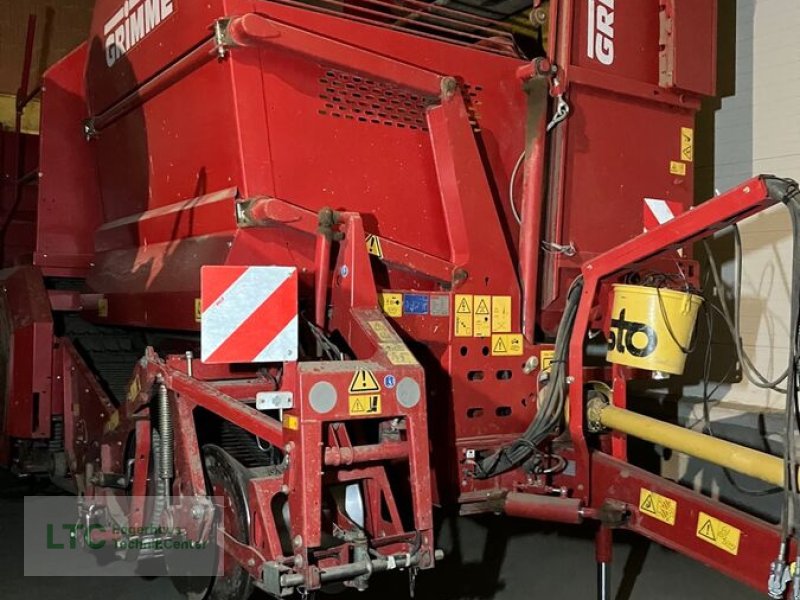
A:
<point x="651" y="328"/>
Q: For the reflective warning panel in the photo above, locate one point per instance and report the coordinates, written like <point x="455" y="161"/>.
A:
<point x="657" y="506"/>
<point x="718" y="533"/>
<point x="249" y="314"/>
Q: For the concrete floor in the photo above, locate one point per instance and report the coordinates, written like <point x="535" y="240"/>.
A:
<point x="488" y="558"/>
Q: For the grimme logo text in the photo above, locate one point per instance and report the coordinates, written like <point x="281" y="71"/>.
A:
<point x="131" y="24"/>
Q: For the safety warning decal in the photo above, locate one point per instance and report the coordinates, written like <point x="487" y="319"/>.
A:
<point x="507" y="344"/>
<point x="482" y="324"/>
<point x="501" y="314"/>
<point x="391" y="304"/>
<point x="463" y="315"/>
<point x="374" y="245"/>
<point x="546" y="359"/>
<point x="365" y="404"/>
<point x="399" y="354"/>
<point x="364" y="381"/>
<point x="687" y="144"/>
<point x="718" y="533"/>
<point x="677" y="168"/>
<point x="657" y="506"/>
<point x="382" y="331"/>
<point x="291" y="422"/>
<point x="198" y="310"/>
<point x="102" y="308"/>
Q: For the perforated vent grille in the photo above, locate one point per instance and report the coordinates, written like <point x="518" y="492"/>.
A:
<point x="472" y="100"/>
<point x="348" y="96"/>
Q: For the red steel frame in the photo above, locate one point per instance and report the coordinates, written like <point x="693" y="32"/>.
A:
<point x="319" y="449"/>
<point x="602" y="478"/>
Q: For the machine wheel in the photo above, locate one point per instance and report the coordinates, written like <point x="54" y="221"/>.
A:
<point x="226" y="478"/>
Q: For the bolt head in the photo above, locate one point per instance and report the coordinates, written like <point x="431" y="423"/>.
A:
<point x="297" y="541"/>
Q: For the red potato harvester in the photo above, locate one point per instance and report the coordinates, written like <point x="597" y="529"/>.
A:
<point x="339" y="263"/>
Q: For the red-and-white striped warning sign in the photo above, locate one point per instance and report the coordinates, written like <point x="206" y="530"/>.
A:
<point x="249" y="314"/>
<point x="657" y="212"/>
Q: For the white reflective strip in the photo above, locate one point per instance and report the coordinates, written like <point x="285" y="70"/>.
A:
<point x="282" y="347"/>
<point x="660" y="209"/>
<point x="235" y="305"/>
<point x="114" y="21"/>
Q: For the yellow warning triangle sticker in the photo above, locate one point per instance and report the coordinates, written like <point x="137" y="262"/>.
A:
<point x="374" y="246"/>
<point x="482" y="308"/>
<point x="357" y="407"/>
<point x="500" y="347"/>
<point x="647" y="505"/>
<point x="463" y="307"/>
<point x="364" y="381"/>
<point x="707" y="531"/>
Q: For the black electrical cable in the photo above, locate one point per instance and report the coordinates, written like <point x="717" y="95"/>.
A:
<point x="551" y="410"/>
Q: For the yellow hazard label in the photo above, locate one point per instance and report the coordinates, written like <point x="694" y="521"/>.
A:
<point x="382" y="331"/>
<point x="501" y="314"/>
<point x="112" y="423"/>
<point x="657" y="506"/>
<point x="374" y="245"/>
<point x="399" y="354"/>
<point x="482" y="324"/>
<point x="677" y="168"/>
<point x="507" y="344"/>
<point x="134" y="388"/>
<point x="391" y="304"/>
<point x="102" y="308"/>
<point x="364" y="381"/>
<point x="546" y="359"/>
<point x="463" y="315"/>
<point x="198" y="310"/>
<point x="687" y="144"/>
<point x="718" y="533"/>
<point x="291" y="422"/>
<point x="365" y="404"/>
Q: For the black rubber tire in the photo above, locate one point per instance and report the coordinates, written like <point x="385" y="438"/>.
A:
<point x="223" y="471"/>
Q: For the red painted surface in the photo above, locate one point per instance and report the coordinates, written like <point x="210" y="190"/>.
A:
<point x="202" y="155"/>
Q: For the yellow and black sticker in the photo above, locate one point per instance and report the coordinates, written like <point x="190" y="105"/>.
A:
<point x="463" y="315"/>
<point x="687" y="144"/>
<point x="676" y="167"/>
<point x="657" y="506"/>
<point x="501" y="314"/>
<point x="399" y="354"/>
<point x="198" y="310"/>
<point x="374" y="245"/>
<point x="507" y="344"/>
<point x="382" y="331"/>
<point x="291" y="422"/>
<point x="482" y="323"/>
<point x="134" y="388"/>
<point x="363" y="382"/>
<point x="391" y="304"/>
<point x="718" y="533"/>
<point x="112" y="423"/>
<point x="102" y="308"/>
<point x="365" y="404"/>
<point x="546" y="359"/>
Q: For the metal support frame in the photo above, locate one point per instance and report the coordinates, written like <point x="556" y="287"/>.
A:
<point x="602" y="479"/>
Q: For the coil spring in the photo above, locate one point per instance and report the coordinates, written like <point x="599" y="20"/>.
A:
<point x="166" y="433"/>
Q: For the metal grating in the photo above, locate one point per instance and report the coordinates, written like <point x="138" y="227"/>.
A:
<point x="348" y="96"/>
<point x="433" y="20"/>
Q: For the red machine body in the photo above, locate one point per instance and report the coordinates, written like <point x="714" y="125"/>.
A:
<point x="382" y="152"/>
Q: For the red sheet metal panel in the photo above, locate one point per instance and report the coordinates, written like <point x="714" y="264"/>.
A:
<point x="69" y="209"/>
